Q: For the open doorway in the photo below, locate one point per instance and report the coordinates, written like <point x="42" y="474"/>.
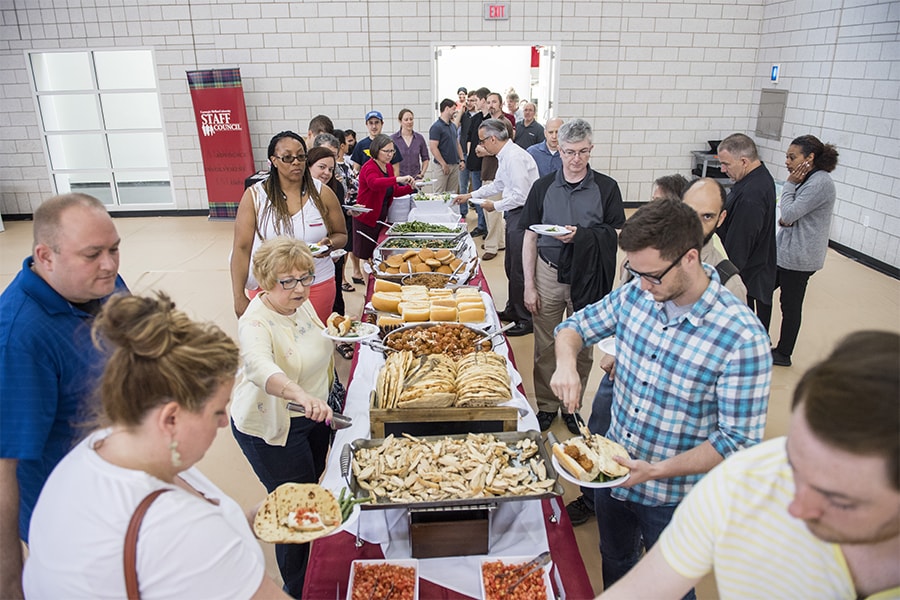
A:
<point x="530" y="70"/>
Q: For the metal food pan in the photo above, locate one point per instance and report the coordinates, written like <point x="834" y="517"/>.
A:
<point x="460" y="228"/>
<point x="478" y="328"/>
<point x="509" y="438"/>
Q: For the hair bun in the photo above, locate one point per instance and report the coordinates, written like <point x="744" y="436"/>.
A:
<point x="146" y="327"/>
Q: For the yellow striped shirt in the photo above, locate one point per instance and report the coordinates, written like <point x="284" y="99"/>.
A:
<point x="736" y="521"/>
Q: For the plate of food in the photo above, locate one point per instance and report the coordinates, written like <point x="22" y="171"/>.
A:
<point x="297" y="513"/>
<point x="498" y="574"/>
<point x="589" y="463"/>
<point x="317" y="249"/>
<point x="356" y="208"/>
<point x="397" y="579"/>
<point x="423" y="182"/>
<point x="478" y="201"/>
<point x="608" y="346"/>
<point x="344" y="329"/>
<point x="350" y="508"/>
<point x="551" y="230"/>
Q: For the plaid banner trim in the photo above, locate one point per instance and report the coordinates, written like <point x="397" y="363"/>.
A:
<point x="223" y="210"/>
<point x="214" y="78"/>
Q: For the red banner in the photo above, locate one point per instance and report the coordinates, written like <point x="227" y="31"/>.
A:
<point x="218" y="99"/>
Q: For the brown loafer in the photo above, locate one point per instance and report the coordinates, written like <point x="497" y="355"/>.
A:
<point x="489" y="256"/>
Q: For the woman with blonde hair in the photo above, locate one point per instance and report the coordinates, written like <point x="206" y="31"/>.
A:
<point x="164" y="391"/>
<point x="284" y="359"/>
<point x="290" y="203"/>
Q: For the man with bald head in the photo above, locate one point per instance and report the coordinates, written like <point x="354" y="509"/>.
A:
<point x="546" y="153"/>
<point x="48" y="364"/>
<point x="707" y="197"/>
<point x="528" y="131"/>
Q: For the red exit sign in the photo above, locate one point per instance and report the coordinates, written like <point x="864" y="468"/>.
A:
<point x="496" y="11"/>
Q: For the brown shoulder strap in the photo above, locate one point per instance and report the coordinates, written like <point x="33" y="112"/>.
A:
<point x="131" y="537"/>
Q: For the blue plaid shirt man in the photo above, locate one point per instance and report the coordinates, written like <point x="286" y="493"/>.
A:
<point x="701" y="376"/>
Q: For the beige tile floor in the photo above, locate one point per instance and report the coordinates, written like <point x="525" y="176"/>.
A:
<point x="187" y="257"/>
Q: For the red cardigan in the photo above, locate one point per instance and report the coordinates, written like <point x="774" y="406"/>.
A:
<point x="373" y="186"/>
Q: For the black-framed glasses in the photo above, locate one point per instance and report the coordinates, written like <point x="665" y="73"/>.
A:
<point x="386" y="151"/>
<point x="655" y="279"/>
<point x="484" y="139"/>
<point x="290" y="159"/>
<point x="291" y="282"/>
<point x="583" y="153"/>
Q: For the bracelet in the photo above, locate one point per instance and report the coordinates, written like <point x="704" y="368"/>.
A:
<point x="281" y="393"/>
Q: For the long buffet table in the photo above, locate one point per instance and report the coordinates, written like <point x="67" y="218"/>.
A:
<point x="517" y="528"/>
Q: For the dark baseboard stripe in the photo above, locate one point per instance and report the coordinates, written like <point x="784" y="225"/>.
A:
<point x="865" y="259"/>
<point x="199" y="212"/>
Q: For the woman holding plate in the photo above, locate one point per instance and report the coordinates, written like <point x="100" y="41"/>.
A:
<point x="377" y="189"/>
<point x="289" y="202"/>
<point x="163" y="397"/>
<point x="284" y="359"/>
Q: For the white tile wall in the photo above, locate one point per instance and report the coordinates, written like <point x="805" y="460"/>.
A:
<point x="655" y="78"/>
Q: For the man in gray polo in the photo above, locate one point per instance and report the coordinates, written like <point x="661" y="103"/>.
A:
<point x="588" y="206"/>
<point x="443" y="141"/>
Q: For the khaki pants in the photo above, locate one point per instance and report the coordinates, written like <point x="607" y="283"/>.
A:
<point x="495" y="239"/>
<point x="556" y="303"/>
<point x="445" y="183"/>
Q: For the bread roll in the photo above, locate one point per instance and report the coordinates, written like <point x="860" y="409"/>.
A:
<point x="442" y="313"/>
<point x="471" y="315"/>
<point x="413" y="312"/>
<point x="383" y="285"/>
<point x="426" y="253"/>
<point x="577" y="459"/>
<point x="386" y="301"/>
<point x="388" y="321"/>
<point x="394" y="260"/>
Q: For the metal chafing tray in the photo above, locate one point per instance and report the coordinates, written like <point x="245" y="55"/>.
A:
<point x="458" y="229"/>
<point x="509" y="438"/>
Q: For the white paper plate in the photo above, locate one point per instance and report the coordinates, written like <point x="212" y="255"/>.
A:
<point x="317" y="250"/>
<point x="359" y="331"/>
<point x="357" y="208"/>
<point x="551" y="230"/>
<point x="608" y="346"/>
<point x="423" y="182"/>
<point x="478" y="201"/>
<point x="354" y="515"/>
<point x="588" y="484"/>
<point x="507" y="581"/>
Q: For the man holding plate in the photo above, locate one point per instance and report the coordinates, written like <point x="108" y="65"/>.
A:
<point x="693" y="369"/>
<point x="553" y="244"/>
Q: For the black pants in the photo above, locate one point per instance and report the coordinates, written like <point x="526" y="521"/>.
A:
<point x="512" y="264"/>
<point x="300" y="460"/>
<point x="338" y="306"/>
<point x="762" y="310"/>
<point x="793" y="291"/>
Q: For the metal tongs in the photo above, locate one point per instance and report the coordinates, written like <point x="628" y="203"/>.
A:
<point x="524" y="571"/>
<point x="338" y="421"/>
<point x="491" y="336"/>
<point x="585" y="432"/>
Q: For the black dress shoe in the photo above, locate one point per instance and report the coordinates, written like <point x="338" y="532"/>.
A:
<point x="505" y="316"/>
<point x="571" y="423"/>
<point x="778" y="359"/>
<point x="477" y="232"/>
<point x="520" y="329"/>
<point x="579" y="511"/>
<point x="545" y="419"/>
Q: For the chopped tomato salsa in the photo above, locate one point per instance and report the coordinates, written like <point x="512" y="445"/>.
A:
<point x="380" y="577"/>
<point x="498" y="576"/>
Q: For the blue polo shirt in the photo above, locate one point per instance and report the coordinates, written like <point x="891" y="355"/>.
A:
<point x="48" y="370"/>
<point x="547" y="161"/>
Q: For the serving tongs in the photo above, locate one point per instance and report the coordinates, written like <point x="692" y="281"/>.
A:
<point x="338" y="421"/>
<point x="491" y="336"/>
<point x="346" y="458"/>
<point x="377" y="346"/>
<point x="524" y="571"/>
<point x="582" y="427"/>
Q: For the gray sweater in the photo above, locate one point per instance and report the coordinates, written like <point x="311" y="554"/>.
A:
<point x="809" y="207"/>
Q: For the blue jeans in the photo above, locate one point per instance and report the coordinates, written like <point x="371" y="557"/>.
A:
<point x="301" y="460"/>
<point x="626" y="529"/>
<point x="475" y="176"/>
<point x="464" y="189"/>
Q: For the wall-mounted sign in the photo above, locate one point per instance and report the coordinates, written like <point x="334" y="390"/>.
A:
<point x="496" y="11"/>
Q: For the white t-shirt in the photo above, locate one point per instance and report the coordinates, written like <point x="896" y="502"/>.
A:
<point x="309" y="226"/>
<point x="187" y="547"/>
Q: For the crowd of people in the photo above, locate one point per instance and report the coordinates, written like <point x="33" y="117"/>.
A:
<point x="108" y="399"/>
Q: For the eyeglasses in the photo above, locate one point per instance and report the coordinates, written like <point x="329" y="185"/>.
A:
<point x="290" y="159"/>
<point x="583" y="153"/>
<point x="483" y="140"/>
<point x="388" y="151"/>
<point x="655" y="279"/>
<point x="291" y="282"/>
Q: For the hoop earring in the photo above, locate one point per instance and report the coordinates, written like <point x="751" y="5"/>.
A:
<point x="175" y="455"/>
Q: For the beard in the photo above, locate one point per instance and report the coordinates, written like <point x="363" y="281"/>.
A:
<point x="708" y="237"/>
<point x="881" y="533"/>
